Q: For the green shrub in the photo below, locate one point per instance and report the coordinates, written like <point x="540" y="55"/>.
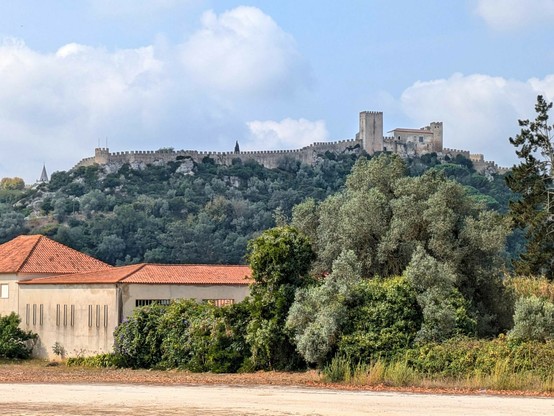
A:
<point x="463" y="357"/>
<point x="533" y="320"/>
<point x="383" y="319"/>
<point x="202" y="337"/>
<point x="14" y="342"/>
<point x="338" y="369"/>
<point x="110" y="360"/>
<point x="138" y="340"/>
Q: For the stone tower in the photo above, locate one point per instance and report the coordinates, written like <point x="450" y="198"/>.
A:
<point x="436" y="128"/>
<point x="371" y="131"/>
<point x="101" y="155"/>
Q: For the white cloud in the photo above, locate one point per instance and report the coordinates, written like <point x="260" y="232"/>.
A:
<point x="479" y="112"/>
<point x="56" y="107"/>
<point x="284" y="134"/>
<point x="512" y="14"/>
<point x="243" y="52"/>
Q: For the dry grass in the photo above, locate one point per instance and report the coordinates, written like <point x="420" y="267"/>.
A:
<point x="526" y="286"/>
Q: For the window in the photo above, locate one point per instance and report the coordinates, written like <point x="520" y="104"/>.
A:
<point x="64" y="315"/>
<point x="219" y="302"/>
<point x="146" y="302"/>
<point x="105" y="316"/>
<point x="4" y="291"/>
<point x="34" y="314"/>
<point x="27" y="314"/>
<point x="41" y="314"/>
<point x="98" y="316"/>
<point x="58" y="314"/>
<point x="89" y="315"/>
<point x="72" y="318"/>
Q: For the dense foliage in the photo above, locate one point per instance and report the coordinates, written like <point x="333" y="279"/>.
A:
<point x="186" y="334"/>
<point x="429" y="227"/>
<point x="280" y="260"/>
<point x="205" y="214"/>
<point x="533" y="180"/>
<point x="14" y="342"/>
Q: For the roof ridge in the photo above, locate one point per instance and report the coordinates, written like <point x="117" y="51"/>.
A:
<point x="196" y="264"/>
<point x="126" y="276"/>
<point x="29" y="254"/>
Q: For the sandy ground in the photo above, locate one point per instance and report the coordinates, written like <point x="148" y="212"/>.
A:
<point x="145" y="400"/>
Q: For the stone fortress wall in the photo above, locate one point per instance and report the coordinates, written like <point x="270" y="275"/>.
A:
<point x="370" y="138"/>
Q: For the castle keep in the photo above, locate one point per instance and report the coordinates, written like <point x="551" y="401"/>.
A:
<point x="370" y="138"/>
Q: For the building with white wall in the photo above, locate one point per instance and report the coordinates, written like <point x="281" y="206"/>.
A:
<point x="79" y="306"/>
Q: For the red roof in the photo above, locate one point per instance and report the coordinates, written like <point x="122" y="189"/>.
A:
<point x="179" y="274"/>
<point x="39" y="254"/>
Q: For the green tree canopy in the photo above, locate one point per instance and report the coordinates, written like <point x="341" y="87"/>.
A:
<point x="280" y="259"/>
<point x="532" y="179"/>
<point x="383" y="215"/>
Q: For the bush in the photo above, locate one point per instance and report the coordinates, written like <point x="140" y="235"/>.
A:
<point x="202" y="337"/>
<point x="14" y="342"/>
<point x="138" y="340"/>
<point x="463" y="357"/>
<point x="110" y="360"/>
<point x="533" y="320"/>
<point x="383" y="319"/>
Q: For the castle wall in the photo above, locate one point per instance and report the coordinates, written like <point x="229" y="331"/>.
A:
<point x="370" y="138"/>
<point x="268" y="158"/>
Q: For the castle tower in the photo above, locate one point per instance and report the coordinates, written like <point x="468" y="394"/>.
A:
<point x="237" y="147"/>
<point x="436" y="128"/>
<point x="101" y="155"/>
<point x="371" y="131"/>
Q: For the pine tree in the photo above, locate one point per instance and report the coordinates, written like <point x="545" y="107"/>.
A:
<point x="532" y="179"/>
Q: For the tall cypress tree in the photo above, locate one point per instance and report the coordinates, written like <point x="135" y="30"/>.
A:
<point x="532" y="179"/>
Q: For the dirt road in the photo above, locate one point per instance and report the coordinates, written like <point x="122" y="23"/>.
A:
<point x="116" y="399"/>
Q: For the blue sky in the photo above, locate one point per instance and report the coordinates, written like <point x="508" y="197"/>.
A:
<point x="200" y="74"/>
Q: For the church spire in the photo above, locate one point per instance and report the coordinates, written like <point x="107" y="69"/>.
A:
<point x="237" y="148"/>
<point x="43" y="175"/>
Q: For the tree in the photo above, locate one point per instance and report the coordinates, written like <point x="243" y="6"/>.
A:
<point x="383" y="216"/>
<point x="15" y="183"/>
<point x="14" y="342"/>
<point x="318" y="314"/>
<point x="532" y="179"/>
<point x="280" y="259"/>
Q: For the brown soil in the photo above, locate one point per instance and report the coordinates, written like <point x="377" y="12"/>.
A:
<point x="36" y="371"/>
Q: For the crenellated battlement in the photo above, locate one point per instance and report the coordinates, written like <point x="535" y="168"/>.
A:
<point x="370" y="138"/>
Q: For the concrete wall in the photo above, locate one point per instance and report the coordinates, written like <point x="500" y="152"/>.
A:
<point x="10" y="304"/>
<point x="132" y="292"/>
<point x="81" y="318"/>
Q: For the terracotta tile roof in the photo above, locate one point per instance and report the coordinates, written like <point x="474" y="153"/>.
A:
<point x="197" y="274"/>
<point x="179" y="274"/>
<point x="39" y="254"/>
<point x="113" y="275"/>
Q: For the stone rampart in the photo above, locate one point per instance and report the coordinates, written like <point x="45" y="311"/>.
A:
<point x="268" y="158"/>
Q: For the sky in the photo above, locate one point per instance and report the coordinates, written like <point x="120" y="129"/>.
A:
<point x="201" y="74"/>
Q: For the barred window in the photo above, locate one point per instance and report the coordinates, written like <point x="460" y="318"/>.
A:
<point x="146" y="302"/>
<point x="219" y="302"/>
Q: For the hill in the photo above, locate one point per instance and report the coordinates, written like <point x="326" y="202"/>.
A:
<point x="204" y="213"/>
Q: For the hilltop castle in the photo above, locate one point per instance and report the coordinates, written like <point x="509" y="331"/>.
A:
<point x="370" y="138"/>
